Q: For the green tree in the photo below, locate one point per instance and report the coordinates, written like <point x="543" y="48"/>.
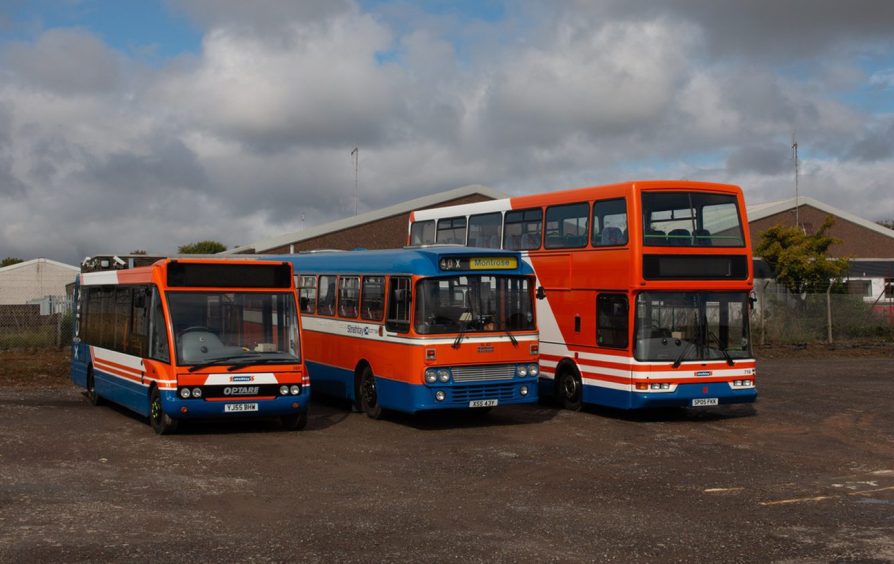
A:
<point x="202" y="248"/>
<point x="9" y="261"/>
<point x="800" y="261"/>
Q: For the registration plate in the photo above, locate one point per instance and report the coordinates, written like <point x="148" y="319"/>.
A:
<point x="701" y="402"/>
<point x="240" y="407"/>
<point x="483" y="403"/>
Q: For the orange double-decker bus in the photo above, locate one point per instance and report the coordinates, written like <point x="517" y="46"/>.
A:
<point x="192" y="338"/>
<point x="644" y="287"/>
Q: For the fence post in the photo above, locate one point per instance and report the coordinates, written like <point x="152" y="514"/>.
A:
<point x="59" y="330"/>
<point x="763" y="312"/>
<point x="829" y="313"/>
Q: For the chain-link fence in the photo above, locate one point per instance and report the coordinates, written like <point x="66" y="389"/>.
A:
<point x="45" y="324"/>
<point x="781" y="318"/>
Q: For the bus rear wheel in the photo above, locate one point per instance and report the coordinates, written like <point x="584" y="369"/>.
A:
<point x="369" y="397"/>
<point x="294" y="422"/>
<point x="569" y="389"/>
<point x="161" y="422"/>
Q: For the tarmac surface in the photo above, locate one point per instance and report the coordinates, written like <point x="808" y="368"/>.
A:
<point x="804" y="475"/>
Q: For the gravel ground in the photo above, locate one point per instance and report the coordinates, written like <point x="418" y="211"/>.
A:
<point x="806" y="474"/>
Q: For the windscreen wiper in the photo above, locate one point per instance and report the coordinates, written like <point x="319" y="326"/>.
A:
<point x="723" y="351"/>
<point x="683" y="353"/>
<point x="512" y="338"/>
<point x="462" y="334"/>
<point x="219" y="360"/>
<point x="262" y="360"/>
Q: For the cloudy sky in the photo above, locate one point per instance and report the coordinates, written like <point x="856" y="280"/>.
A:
<point x="151" y="124"/>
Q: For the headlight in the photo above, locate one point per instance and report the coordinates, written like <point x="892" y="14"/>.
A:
<point x="521" y="370"/>
<point x="444" y="375"/>
<point x="197" y="392"/>
<point x="184" y="393"/>
<point x="295" y="389"/>
<point x="283" y="390"/>
<point x="431" y="375"/>
<point x="533" y="370"/>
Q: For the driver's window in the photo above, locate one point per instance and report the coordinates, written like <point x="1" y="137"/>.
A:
<point x="158" y="332"/>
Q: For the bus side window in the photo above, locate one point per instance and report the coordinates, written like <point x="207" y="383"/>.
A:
<point x="139" y="328"/>
<point x="609" y="223"/>
<point x="158" y="331"/>
<point x="399" y="305"/>
<point x="348" y="288"/>
<point x="372" y="300"/>
<point x="611" y="321"/>
<point x="307" y="294"/>
<point x="566" y="226"/>
<point x="422" y="232"/>
<point x="452" y="230"/>
<point x="484" y="230"/>
<point x="326" y="295"/>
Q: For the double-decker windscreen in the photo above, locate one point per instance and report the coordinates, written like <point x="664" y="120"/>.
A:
<point x="234" y="328"/>
<point x="684" y="326"/>
<point x="471" y="303"/>
<point x="691" y="219"/>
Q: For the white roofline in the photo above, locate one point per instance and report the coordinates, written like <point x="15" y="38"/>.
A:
<point x="375" y="215"/>
<point x="37" y="260"/>
<point x="767" y="209"/>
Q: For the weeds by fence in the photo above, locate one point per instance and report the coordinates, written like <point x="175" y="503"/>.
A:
<point x="780" y="318"/>
<point x="35" y="326"/>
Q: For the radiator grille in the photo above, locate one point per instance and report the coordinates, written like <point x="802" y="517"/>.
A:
<point x="484" y="372"/>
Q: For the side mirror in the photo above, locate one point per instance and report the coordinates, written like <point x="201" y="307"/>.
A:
<point x="541" y="293"/>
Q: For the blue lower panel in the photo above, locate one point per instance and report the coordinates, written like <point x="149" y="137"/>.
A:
<point x="130" y="394"/>
<point x="411" y="398"/>
<point x="200" y="409"/>
<point x="331" y="381"/>
<point x="681" y="397"/>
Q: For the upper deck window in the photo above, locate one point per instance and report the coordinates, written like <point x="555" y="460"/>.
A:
<point x="566" y="226"/>
<point x="523" y="229"/>
<point x="484" y="230"/>
<point x="689" y="219"/>
<point x="610" y="223"/>
<point x="422" y="232"/>
<point x="452" y="230"/>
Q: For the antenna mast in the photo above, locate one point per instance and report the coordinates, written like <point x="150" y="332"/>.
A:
<point x="355" y="155"/>
<point x="797" y="203"/>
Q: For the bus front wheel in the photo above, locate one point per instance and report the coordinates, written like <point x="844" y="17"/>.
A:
<point x="369" y="397"/>
<point x="92" y="396"/>
<point x="161" y="421"/>
<point x="294" y="422"/>
<point x="569" y="389"/>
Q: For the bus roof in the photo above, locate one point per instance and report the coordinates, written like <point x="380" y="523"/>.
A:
<point x="423" y="261"/>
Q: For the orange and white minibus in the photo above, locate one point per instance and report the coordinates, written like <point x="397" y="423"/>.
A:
<point x="191" y="338"/>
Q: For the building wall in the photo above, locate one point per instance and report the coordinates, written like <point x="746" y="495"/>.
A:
<point x="856" y="240"/>
<point x="28" y="281"/>
<point x="386" y="233"/>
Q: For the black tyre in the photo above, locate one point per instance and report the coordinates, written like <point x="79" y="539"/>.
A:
<point x="294" y="422"/>
<point x="160" y="421"/>
<point x="569" y="389"/>
<point x="369" y="398"/>
<point x="92" y="396"/>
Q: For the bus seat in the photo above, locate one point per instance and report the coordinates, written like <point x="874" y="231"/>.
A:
<point x="530" y="241"/>
<point x="655" y="237"/>
<point x="195" y="346"/>
<point x="703" y="237"/>
<point x="680" y="238"/>
<point x="611" y="236"/>
<point x="494" y="242"/>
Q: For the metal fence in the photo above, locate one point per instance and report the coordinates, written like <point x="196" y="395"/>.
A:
<point x="46" y="324"/>
<point x="782" y="318"/>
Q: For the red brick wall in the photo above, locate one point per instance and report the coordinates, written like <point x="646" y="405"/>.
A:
<point x="386" y="233"/>
<point x="856" y="240"/>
